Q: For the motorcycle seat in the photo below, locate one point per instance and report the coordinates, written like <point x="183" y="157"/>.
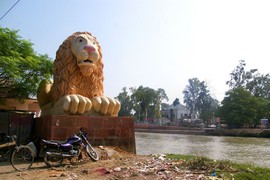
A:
<point x="49" y="142"/>
<point x="65" y="145"/>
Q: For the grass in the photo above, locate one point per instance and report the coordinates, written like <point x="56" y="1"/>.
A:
<point x="221" y="169"/>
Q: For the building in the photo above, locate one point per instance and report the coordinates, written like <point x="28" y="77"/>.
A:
<point x="176" y="113"/>
<point x="27" y="105"/>
<point x="17" y="118"/>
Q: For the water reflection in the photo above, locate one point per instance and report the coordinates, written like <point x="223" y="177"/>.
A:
<point x="237" y="149"/>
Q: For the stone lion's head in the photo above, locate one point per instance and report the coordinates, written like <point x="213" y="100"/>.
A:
<point x="78" y="67"/>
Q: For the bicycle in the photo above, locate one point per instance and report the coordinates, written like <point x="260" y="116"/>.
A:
<point x="7" y="144"/>
<point x="22" y="156"/>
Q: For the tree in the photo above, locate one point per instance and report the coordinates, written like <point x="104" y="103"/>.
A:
<point x="144" y="102"/>
<point x="263" y="109"/>
<point x="239" y="77"/>
<point x="248" y="98"/>
<point x="176" y="102"/>
<point x="161" y="95"/>
<point x="198" y="99"/>
<point x="191" y="95"/>
<point x="21" y="69"/>
<point x="126" y="104"/>
<point x="209" y="108"/>
<point x="164" y="106"/>
<point x="240" y="108"/>
<point x="143" y="97"/>
<point x="258" y="84"/>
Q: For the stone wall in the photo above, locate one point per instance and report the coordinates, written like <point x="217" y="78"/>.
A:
<point x="106" y="131"/>
<point x="154" y="126"/>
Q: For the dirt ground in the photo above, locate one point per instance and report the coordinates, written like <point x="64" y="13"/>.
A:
<point x="113" y="164"/>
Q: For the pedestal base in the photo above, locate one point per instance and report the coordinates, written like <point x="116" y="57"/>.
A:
<point x="106" y="131"/>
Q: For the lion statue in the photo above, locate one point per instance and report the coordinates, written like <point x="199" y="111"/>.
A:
<point x="77" y="87"/>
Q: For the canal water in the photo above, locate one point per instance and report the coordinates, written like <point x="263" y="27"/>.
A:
<point x="237" y="149"/>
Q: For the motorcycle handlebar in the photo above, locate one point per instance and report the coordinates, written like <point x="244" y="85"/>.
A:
<point x="82" y="131"/>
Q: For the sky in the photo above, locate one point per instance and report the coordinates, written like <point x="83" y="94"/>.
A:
<point x="153" y="43"/>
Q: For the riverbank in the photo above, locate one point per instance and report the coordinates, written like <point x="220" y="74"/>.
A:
<point x="265" y="133"/>
<point x="114" y="164"/>
<point x="236" y="149"/>
<point x="118" y="164"/>
<point x="202" y="131"/>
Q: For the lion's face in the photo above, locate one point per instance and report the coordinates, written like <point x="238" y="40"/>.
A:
<point x="85" y="48"/>
<point x="78" y="67"/>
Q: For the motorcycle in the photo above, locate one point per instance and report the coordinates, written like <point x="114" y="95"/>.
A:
<point x="56" y="152"/>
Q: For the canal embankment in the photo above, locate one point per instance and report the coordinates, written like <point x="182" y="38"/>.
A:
<point x="249" y="132"/>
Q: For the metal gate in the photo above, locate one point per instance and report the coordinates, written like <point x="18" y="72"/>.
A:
<point x="17" y="123"/>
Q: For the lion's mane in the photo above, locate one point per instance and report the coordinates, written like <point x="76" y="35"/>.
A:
<point x="68" y="78"/>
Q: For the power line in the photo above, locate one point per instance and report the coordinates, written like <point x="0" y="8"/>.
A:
<point x="9" y="10"/>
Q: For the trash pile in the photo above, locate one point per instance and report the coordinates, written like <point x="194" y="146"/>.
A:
<point x="115" y="164"/>
<point x="155" y="166"/>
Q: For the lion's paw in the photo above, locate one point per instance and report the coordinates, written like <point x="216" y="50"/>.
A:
<point x="106" y="105"/>
<point x="74" y="104"/>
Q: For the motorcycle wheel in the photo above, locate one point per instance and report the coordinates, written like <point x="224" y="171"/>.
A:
<point x="91" y="152"/>
<point x="52" y="160"/>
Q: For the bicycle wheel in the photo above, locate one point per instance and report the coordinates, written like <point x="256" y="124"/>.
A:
<point x="53" y="160"/>
<point x="91" y="152"/>
<point x="22" y="158"/>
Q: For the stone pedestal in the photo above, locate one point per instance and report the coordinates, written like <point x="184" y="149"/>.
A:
<point x="106" y="131"/>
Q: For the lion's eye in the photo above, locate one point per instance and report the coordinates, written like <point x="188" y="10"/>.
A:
<point x="80" y="39"/>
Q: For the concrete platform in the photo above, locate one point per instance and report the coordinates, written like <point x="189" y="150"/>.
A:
<point x="106" y="131"/>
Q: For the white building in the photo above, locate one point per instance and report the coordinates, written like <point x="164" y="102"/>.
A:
<point x="175" y="113"/>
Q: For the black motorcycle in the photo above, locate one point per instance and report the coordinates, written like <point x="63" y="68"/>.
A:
<point x="56" y="152"/>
